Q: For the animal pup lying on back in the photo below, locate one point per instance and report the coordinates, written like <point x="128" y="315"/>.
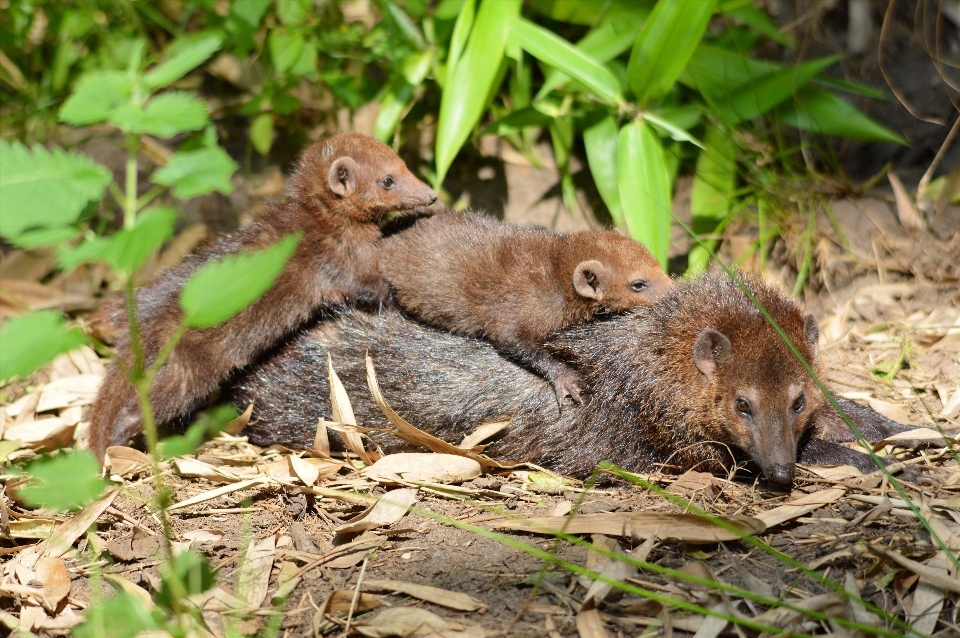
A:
<point x="515" y="285"/>
<point x="697" y="380"/>
<point x="341" y="189"/>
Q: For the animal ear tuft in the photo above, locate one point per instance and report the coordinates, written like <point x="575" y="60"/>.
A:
<point x="710" y="350"/>
<point x="811" y="332"/>
<point x="342" y="177"/>
<point x="588" y="279"/>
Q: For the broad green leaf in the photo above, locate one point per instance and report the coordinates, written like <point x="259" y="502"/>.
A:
<point x="219" y="290"/>
<point x="306" y="64"/>
<point x="207" y="425"/>
<point x="32" y="340"/>
<point x="756" y="19"/>
<point x="602" y="44"/>
<point x="250" y="11"/>
<point x="645" y="188"/>
<point x="185" y="55"/>
<point x="602" y="142"/>
<point x="96" y="97"/>
<point x="461" y="31"/>
<point x="668" y="39"/>
<point x="408" y="29"/>
<point x="397" y="97"/>
<point x="558" y="53"/>
<point x="717" y="72"/>
<point x="675" y="132"/>
<point x="198" y="172"/>
<point x="820" y="111"/>
<point x="293" y="12"/>
<point x="163" y="116"/>
<point x="714" y="182"/>
<point x="285" y="50"/>
<point x="261" y="133"/>
<point x="519" y="120"/>
<point x="65" y="482"/>
<point x="590" y="12"/>
<point x="45" y="189"/>
<point x="764" y="93"/>
<point x="31" y="239"/>
<point x="470" y="84"/>
<point x="123" y="616"/>
<point x="125" y="250"/>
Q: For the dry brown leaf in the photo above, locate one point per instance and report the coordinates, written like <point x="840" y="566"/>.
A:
<point x="435" y="595"/>
<point x="18" y="297"/>
<point x="218" y="492"/>
<point x="424" y="467"/>
<point x="308" y="473"/>
<point x="936" y="577"/>
<point x="833" y="472"/>
<point x="77" y="390"/>
<point x="321" y="441"/>
<point x="951" y="406"/>
<point x="32" y="528"/>
<point x="590" y="625"/>
<point x="187" y="466"/>
<point x="689" y="528"/>
<point x="42" y="434"/>
<point x="692" y="481"/>
<point x="201" y="536"/>
<point x="352" y="554"/>
<point x="481" y="434"/>
<point x="906" y="208"/>
<point x="341" y="601"/>
<point x="800" y="506"/>
<point x="253" y="575"/>
<point x="889" y="410"/>
<point x="343" y="413"/>
<point x="126" y="461"/>
<point x="833" y="604"/>
<point x="413" y="622"/>
<point x="616" y="570"/>
<point x="234" y="427"/>
<point x="133" y="589"/>
<point x="928" y="598"/>
<point x="917" y="434"/>
<point x="389" y="509"/>
<point x="56" y="581"/>
<point x="31" y="616"/>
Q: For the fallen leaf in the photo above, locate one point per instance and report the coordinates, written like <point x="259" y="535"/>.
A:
<point x="689" y="528"/>
<point x="800" y="506"/>
<point x="388" y="509"/>
<point x="424" y="467"/>
<point x="435" y="595"/>
<point x="917" y="434"/>
<point x="70" y="391"/>
<point x="53" y="574"/>
<point x="341" y="600"/>
<point x="928" y="598"/>
<point x="253" y="575"/>
<point x="126" y="461"/>
<point x="236" y="425"/>
<point x="414" y="622"/>
<point x="201" y="536"/>
<point x="906" y="208"/>
<point x="481" y="434"/>
<point x="306" y="472"/>
<point x="46" y="434"/>
<point x="343" y="413"/>
<point x="590" y="625"/>
<point x="889" y="410"/>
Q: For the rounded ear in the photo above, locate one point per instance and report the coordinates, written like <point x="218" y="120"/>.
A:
<point x="588" y="279"/>
<point x="342" y="177"/>
<point x="811" y="332"/>
<point x="711" y="348"/>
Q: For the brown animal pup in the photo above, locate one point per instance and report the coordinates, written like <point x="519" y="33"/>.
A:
<point x="341" y="189"/>
<point x="697" y="380"/>
<point x="515" y="285"/>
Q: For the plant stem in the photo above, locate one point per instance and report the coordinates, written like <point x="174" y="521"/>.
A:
<point x="130" y="203"/>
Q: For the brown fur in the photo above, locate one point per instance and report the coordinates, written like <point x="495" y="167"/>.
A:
<point x="340" y="191"/>
<point x="514" y="285"/>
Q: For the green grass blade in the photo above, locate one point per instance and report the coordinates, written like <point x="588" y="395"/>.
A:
<point x="602" y="142"/>
<point x="470" y="83"/>
<point x="668" y="39"/>
<point x="645" y="188"/>
<point x="820" y="111"/>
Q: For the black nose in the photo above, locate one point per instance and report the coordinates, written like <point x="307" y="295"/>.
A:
<point x="780" y="478"/>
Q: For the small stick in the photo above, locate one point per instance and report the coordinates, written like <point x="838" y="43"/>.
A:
<point x="356" y="595"/>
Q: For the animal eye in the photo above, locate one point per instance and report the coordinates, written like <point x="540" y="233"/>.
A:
<point x="743" y="407"/>
<point x="387" y="183"/>
<point x="800" y="403"/>
<point x="638" y="286"/>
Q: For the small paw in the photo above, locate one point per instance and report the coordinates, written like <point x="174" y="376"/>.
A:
<point x="568" y="384"/>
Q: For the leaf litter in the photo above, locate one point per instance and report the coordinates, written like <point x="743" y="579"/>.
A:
<point x="436" y="533"/>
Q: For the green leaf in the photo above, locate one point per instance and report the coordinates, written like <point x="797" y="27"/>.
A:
<point x="207" y="425"/>
<point x="470" y="85"/>
<point x="40" y="237"/>
<point x="285" y="49"/>
<point x="219" y="290"/>
<point x="519" y="120"/>
<point x="408" y="29"/>
<point x="45" y="189"/>
<point x="123" y="616"/>
<point x="590" y="12"/>
<point x="717" y="72"/>
<point x="645" y="188"/>
<point x="668" y="39"/>
<point x="185" y="54"/>
<point x="602" y="143"/>
<point x="293" y="12"/>
<point x="851" y="87"/>
<point x="461" y="31"/>
<point x="32" y="340"/>
<point x="261" y="133"/>
<point x="397" y="97"/>
<point x="65" y="482"/>
<point x="125" y="250"/>
<point x="764" y="93"/>
<point x="822" y="112"/>
<point x="558" y="53"/>
<point x="714" y="182"/>
<point x="96" y="97"/>
<point x="756" y="19"/>
<point x="189" y="570"/>
<point x="163" y="116"/>
<point x="250" y="11"/>
<point x="675" y="132"/>
<point x="193" y="173"/>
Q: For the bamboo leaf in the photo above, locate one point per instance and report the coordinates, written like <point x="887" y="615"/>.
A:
<point x="820" y="111"/>
<point x="762" y="94"/>
<point x="756" y="19"/>
<point x="713" y="188"/>
<point x="557" y="52"/>
<point x="668" y="39"/>
<point x="644" y="188"/>
<point x="675" y="132"/>
<point x="461" y="31"/>
<point x="602" y="141"/>
<point x="590" y="12"/>
<point x="470" y="83"/>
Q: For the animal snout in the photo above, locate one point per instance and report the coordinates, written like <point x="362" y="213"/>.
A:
<point x="780" y="478"/>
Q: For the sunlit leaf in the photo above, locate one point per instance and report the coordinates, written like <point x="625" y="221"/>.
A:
<point x="461" y="31"/>
<point x="163" y="116"/>
<point x="762" y="94"/>
<point x="123" y="616"/>
<point x="645" y="188"/>
<point x="668" y="39"/>
<point x="601" y="140"/>
<point x="293" y="12"/>
<point x="197" y="172"/>
<point x="714" y="181"/>
<point x="219" y="290"/>
<point x="207" y="425"/>
<point x="717" y="72"/>
<point x="754" y="18"/>
<point x="819" y="111"/>
<point x="45" y="189"/>
<point x="399" y="94"/>
<point x="589" y="12"/>
<point x="96" y="97"/>
<point x="557" y="52"/>
<point x="261" y="133"/>
<point x="31" y="239"/>
<point x="185" y="54"/>
<point x="33" y="340"/>
<point x="470" y="85"/>
<point x="408" y="29"/>
<point x="675" y="132"/>
<point x="125" y="250"/>
<point x="285" y="49"/>
<point x="65" y="482"/>
<point x="519" y="120"/>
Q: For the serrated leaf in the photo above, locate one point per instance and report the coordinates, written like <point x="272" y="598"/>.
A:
<point x="198" y="172"/>
<point x="185" y="54"/>
<point x="96" y="97"/>
<point x="125" y="250"/>
<point x="33" y="340"/>
<point x="163" y="116"/>
<point x="470" y="85"/>
<point x="645" y="188"/>
<point x="602" y="142"/>
<point x="668" y="39"/>
<point x="261" y="133"/>
<point x="45" y="189"/>
<point x="558" y="53"/>
<point x="66" y="482"/>
<point x="285" y="50"/>
<point x="219" y="290"/>
<point x="819" y="111"/>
